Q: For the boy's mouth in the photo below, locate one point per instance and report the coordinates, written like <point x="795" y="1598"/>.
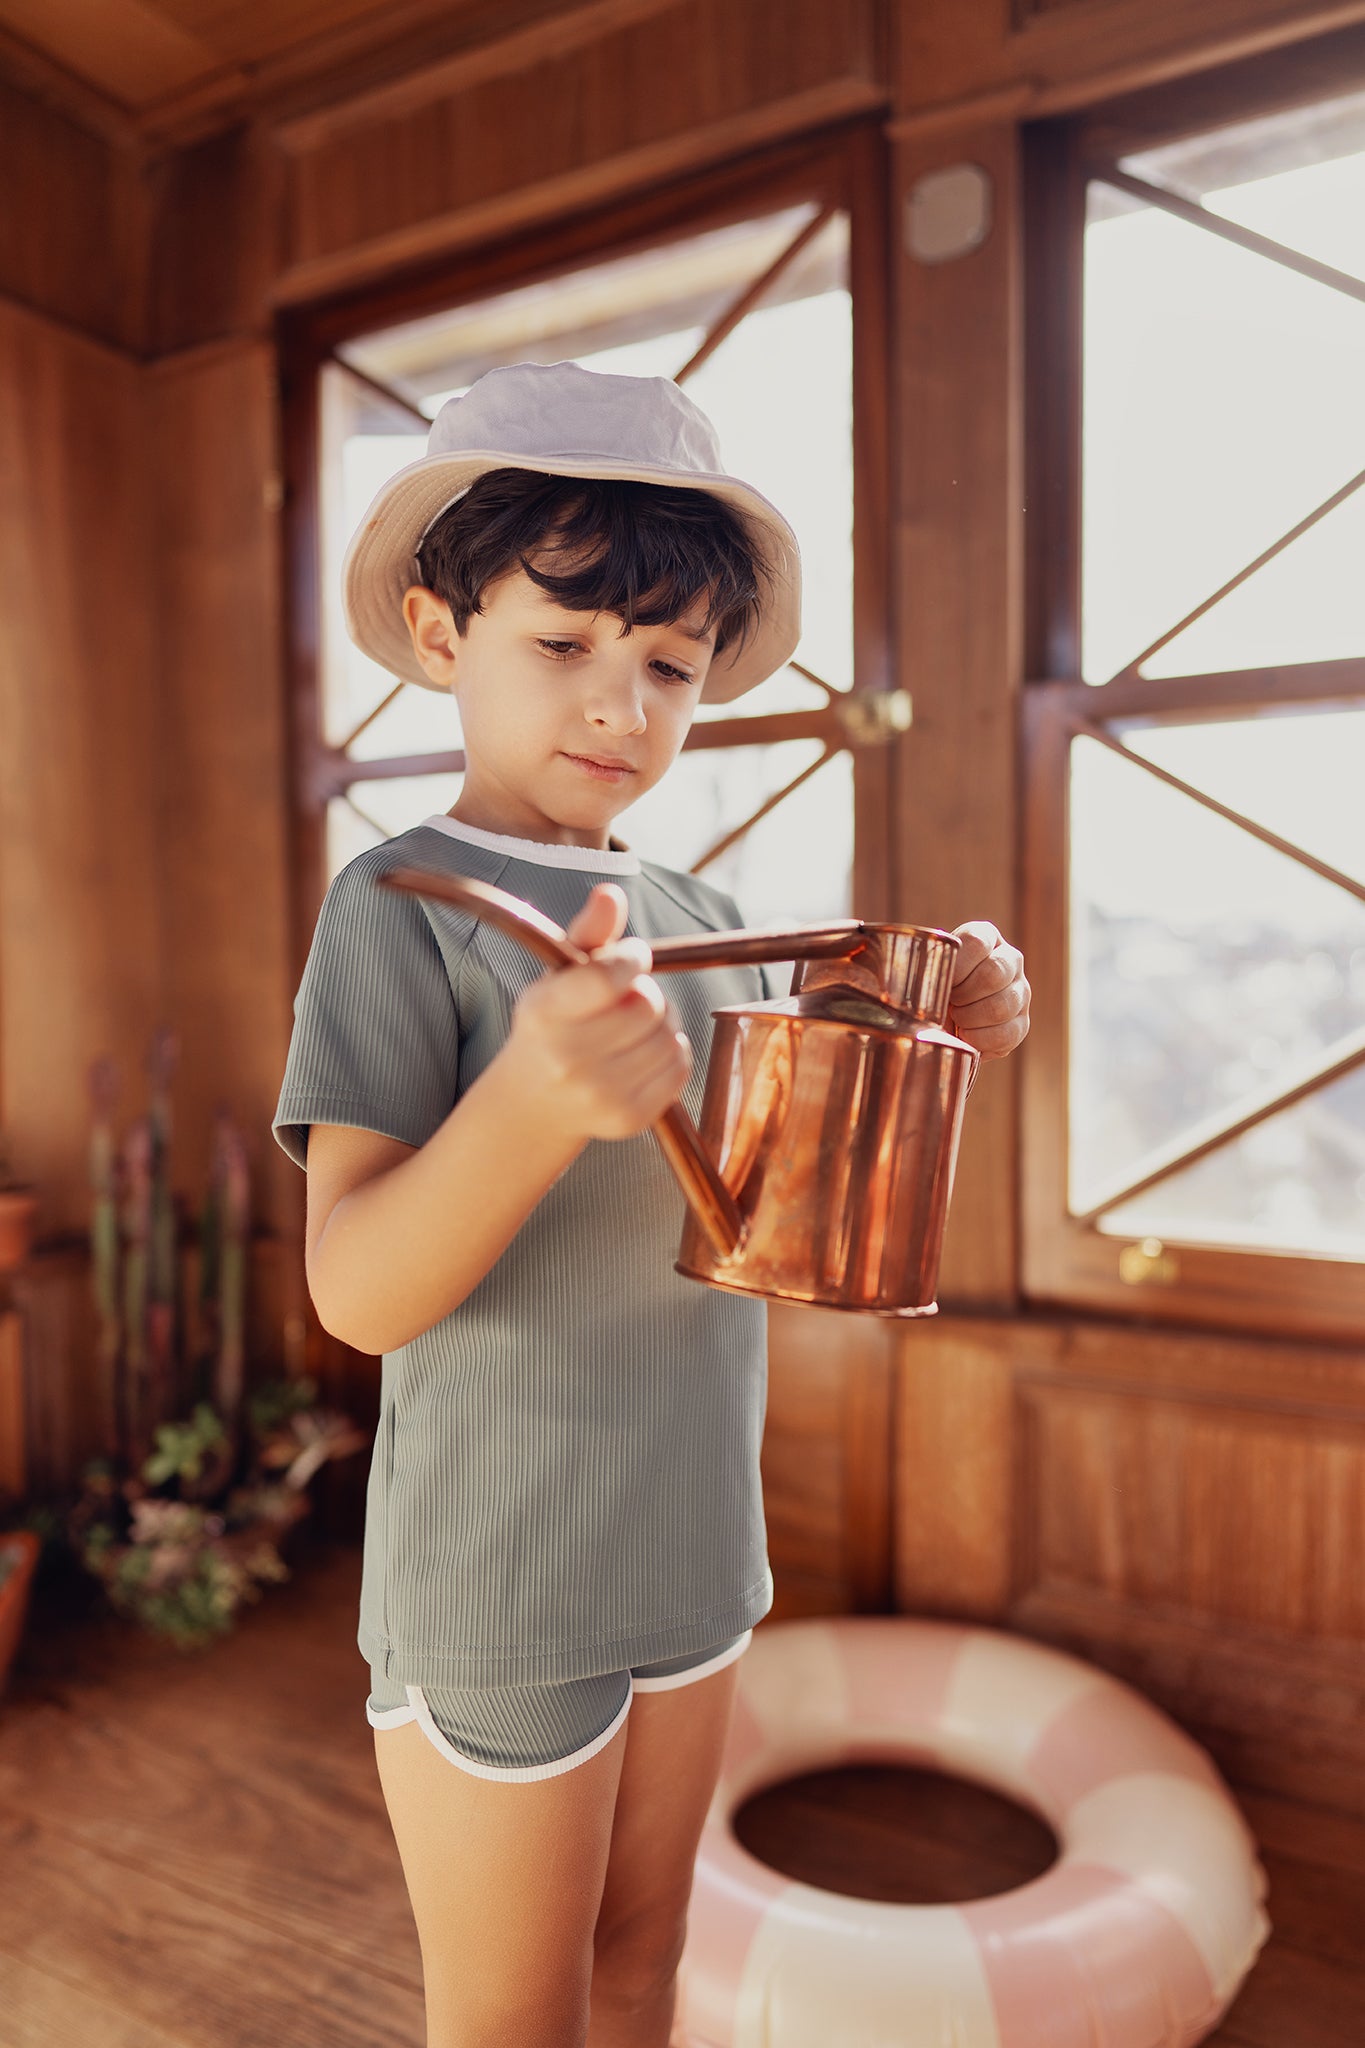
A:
<point x="605" y="767"/>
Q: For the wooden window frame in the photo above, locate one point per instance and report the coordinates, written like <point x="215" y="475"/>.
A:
<point x="843" y="166"/>
<point x="1065" y="1260"/>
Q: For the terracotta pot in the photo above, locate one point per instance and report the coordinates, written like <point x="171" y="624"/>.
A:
<point x="18" y="1207"/>
<point x="19" y="1551"/>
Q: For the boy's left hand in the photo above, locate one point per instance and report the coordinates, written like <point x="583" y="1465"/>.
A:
<point x="990" y="998"/>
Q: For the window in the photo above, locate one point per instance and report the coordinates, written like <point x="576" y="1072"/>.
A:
<point x="1195" y="728"/>
<point x="751" y="305"/>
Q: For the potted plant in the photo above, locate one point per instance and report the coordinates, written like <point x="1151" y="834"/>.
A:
<point x="18" y="1207"/>
<point x="195" y="1532"/>
<point x="206" y="1467"/>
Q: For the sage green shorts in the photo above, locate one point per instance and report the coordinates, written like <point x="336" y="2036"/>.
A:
<point x="519" y="1733"/>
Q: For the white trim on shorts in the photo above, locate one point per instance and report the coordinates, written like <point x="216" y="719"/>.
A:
<point x="417" y="1710"/>
<point x="694" y="1671"/>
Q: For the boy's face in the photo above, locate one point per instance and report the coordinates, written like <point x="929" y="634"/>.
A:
<point x="566" y="720"/>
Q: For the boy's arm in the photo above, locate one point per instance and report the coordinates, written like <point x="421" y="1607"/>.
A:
<point x="398" y="1235"/>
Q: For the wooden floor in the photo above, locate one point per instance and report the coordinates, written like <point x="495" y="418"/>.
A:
<point x="194" y="1854"/>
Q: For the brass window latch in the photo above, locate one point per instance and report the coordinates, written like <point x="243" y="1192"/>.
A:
<point x="872" y="718"/>
<point x="1148" y="1262"/>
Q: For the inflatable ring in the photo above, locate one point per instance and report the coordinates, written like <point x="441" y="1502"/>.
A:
<point x="1139" y="1936"/>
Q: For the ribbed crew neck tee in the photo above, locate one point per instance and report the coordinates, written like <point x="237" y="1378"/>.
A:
<point x="565" y="1475"/>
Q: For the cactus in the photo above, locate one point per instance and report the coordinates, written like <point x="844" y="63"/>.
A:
<point x="133" y="1213"/>
<point x="137" y="1215"/>
<point x="230" y="1176"/>
<point x="163" y="1274"/>
<point x="206" y="1313"/>
<point x="104" y="1253"/>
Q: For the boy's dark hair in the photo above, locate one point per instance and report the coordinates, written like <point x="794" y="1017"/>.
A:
<point x="646" y="552"/>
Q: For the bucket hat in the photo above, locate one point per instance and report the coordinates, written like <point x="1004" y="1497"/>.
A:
<point x="562" y="419"/>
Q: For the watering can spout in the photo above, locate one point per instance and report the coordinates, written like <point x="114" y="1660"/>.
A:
<point x="710" y="1201"/>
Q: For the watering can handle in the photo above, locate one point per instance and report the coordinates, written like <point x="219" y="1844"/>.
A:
<point x="710" y="1199"/>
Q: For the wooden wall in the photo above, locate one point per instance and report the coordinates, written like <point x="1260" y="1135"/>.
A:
<point x="82" y="952"/>
<point x="1188" y="1508"/>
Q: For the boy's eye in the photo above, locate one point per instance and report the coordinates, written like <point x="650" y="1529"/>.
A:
<point x="565" y="650"/>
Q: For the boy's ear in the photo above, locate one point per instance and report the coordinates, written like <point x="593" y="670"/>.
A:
<point x="431" y="627"/>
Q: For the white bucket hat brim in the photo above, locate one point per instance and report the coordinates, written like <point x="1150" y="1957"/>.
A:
<point x="641" y="429"/>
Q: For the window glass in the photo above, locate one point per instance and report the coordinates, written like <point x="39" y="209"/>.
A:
<point x="378" y="810"/>
<point x="1296" y="770"/>
<point x="793" y="866"/>
<point x="1223" y="401"/>
<point x="1295" y="1183"/>
<point x="1206" y="969"/>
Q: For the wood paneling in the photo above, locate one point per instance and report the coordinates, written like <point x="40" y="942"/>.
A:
<point x="74" y="225"/>
<point x="214" y="240"/>
<point x="81" y="933"/>
<point x="64" y="1409"/>
<point x="134" y="51"/>
<point x="139" y="72"/>
<point x="957" y="511"/>
<point x="951" y="55"/>
<point x="954" y="1506"/>
<point x="121" y="68"/>
<point x="212" y="424"/>
<point x="212" y="439"/>
<point x="1283" y="1713"/>
<point x="1189" y="1510"/>
<point x="1131" y="1463"/>
<point x="377" y="188"/>
<point x="827" y="1460"/>
<point x="1256" y="1519"/>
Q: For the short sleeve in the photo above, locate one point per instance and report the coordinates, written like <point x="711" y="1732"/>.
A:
<point x="375" y="1042"/>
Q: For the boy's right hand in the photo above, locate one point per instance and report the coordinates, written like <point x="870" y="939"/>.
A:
<point x="599" y="1044"/>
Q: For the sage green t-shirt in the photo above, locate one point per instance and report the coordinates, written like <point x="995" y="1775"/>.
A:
<point x="565" y="1477"/>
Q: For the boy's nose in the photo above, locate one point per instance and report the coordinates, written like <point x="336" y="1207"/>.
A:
<point x="616" y="703"/>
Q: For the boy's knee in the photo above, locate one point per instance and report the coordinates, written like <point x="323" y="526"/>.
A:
<point x="635" y="1964"/>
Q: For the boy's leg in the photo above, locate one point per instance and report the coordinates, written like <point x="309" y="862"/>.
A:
<point x="505" y="1881"/>
<point x="674" y="1743"/>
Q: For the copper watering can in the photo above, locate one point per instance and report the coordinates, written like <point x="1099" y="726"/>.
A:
<point x="830" y="1118"/>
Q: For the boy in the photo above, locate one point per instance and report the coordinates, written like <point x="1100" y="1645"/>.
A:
<point x="564" y="1526"/>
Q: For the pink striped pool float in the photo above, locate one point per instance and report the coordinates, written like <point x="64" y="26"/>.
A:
<point x="1139" y="1936"/>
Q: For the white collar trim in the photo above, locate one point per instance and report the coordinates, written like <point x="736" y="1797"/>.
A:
<point x="588" y="859"/>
